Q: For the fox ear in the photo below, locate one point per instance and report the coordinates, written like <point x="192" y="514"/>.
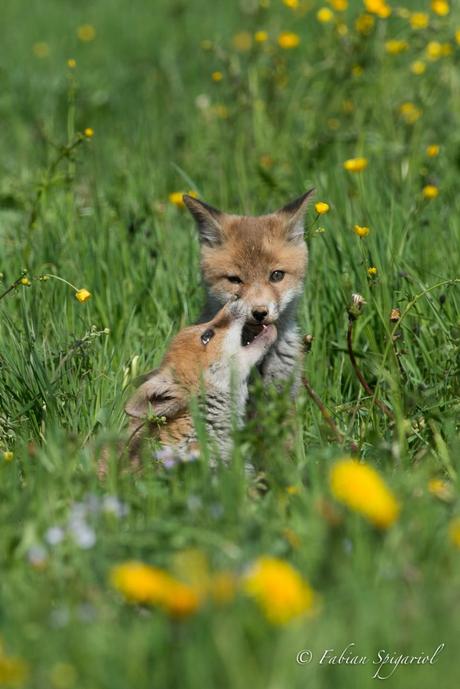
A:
<point x="294" y="215"/>
<point x="207" y="218"/>
<point x="159" y="394"/>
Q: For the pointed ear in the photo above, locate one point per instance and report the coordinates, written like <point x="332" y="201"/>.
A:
<point x="207" y="218"/>
<point x="294" y="215"/>
<point x="159" y="394"/>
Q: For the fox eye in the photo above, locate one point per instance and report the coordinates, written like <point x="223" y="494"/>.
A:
<point x="207" y="336"/>
<point x="235" y="279"/>
<point x="277" y="276"/>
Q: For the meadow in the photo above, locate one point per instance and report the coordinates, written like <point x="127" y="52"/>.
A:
<point x="183" y="576"/>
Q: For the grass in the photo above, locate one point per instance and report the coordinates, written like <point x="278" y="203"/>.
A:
<point x="98" y="216"/>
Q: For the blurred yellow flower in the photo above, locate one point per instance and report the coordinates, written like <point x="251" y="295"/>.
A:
<point x="430" y="191"/>
<point x="86" y="33"/>
<point x="440" y="7"/>
<point x="279" y="589"/>
<point x="221" y="111"/>
<point x="288" y="39"/>
<point x="361" y="231"/>
<point x="362" y="489"/>
<point x="25" y="281"/>
<point x="260" y="36"/>
<point x="141" y="583"/>
<point x="89" y="132"/>
<point x="378" y="7"/>
<point x="177" y="197"/>
<point x="357" y="70"/>
<point x="394" y="47"/>
<point x="432" y="151"/>
<point x="292" y="4"/>
<point x="13" y="671"/>
<point x="217" y="76"/>
<point x="82" y="295"/>
<point x="441" y="489"/>
<point x="41" y="49"/>
<point x="8" y="456"/>
<point x="325" y="15"/>
<point x="446" y="49"/>
<point x="434" y="50"/>
<point x="419" y="20"/>
<point x="342" y="29"/>
<point x="71" y="63"/>
<point x="364" y="24"/>
<point x="339" y="5"/>
<point x="457" y="36"/>
<point x="372" y="271"/>
<point x="410" y="112"/>
<point x="222" y="587"/>
<point x="242" y="41"/>
<point x="355" y="164"/>
<point x="322" y="207"/>
<point x="454" y="531"/>
<point x="418" y="67"/>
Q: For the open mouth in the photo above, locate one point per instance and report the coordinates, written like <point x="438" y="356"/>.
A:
<point x="251" y="332"/>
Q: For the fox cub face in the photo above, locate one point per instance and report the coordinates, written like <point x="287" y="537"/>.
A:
<point x="259" y="260"/>
<point x="212" y="356"/>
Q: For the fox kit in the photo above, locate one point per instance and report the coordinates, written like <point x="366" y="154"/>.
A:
<point x="213" y="358"/>
<point x="262" y="262"/>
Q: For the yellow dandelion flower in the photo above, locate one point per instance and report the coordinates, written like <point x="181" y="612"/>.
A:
<point x="361" y="230"/>
<point x="82" y="295"/>
<point x="372" y="271"/>
<point x="217" y="76"/>
<point x="410" y="112"/>
<point x="364" y="24"/>
<point x="292" y="4"/>
<point x="434" y="50"/>
<point x="395" y="47"/>
<point x="457" y="36"/>
<point x="432" y="151"/>
<point x="86" y="33"/>
<point x="355" y="164"/>
<point x="8" y="456"/>
<point x="454" y="531"/>
<point x="25" y="281"/>
<point x="71" y="63"/>
<point x="357" y="70"/>
<point x="362" y="489"/>
<point x="89" y="132"/>
<point x="242" y="41"/>
<point x="430" y="191"/>
<point x="41" y="49"/>
<point x="440" y="7"/>
<point x="177" y="197"/>
<point x="180" y="600"/>
<point x="418" y="67"/>
<point x="140" y="583"/>
<point x="322" y="207"/>
<point x="339" y="5"/>
<point x="279" y="590"/>
<point x="325" y="15"/>
<point x="419" y="20"/>
<point x="378" y="7"/>
<point x="288" y="40"/>
<point x="261" y="36"/>
<point x="293" y="490"/>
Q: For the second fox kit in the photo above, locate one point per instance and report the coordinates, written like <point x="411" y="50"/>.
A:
<point x="212" y="358"/>
<point x="262" y="262"/>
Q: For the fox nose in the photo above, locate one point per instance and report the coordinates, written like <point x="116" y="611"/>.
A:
<point x="260" y="313"/>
